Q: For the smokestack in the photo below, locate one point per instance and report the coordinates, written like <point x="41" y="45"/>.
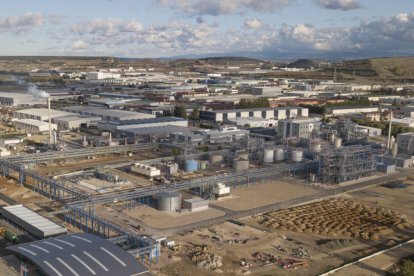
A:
<point x="389" y="134"/>
<point x="50" y="121"/>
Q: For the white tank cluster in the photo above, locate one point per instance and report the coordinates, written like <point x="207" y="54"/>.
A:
<point x="279" y="154"/>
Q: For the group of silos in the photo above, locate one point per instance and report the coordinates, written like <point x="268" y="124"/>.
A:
<point x="241" y="161"/>
<point x="279" y="154"/>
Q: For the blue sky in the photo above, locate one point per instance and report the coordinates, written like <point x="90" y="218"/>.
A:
<point x="161" y="28"/>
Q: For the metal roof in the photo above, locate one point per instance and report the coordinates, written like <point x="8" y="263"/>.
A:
<point x="146" y="121"/>
<point x="79" y="255"/>
<point x="255" y="109"/>
<point x="32" y="222"/>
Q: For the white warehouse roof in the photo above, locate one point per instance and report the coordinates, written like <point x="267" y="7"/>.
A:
<point x="32" y="222"/>
<point x="42" y="112"/>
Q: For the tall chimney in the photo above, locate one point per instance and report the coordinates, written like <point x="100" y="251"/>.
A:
<point x="50" y="121"/>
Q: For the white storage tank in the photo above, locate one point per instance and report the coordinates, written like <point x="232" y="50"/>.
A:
<point x="243" y="155"/>
<point x="279" y="154"/>
<point x="297" y="156"/>
<point x="169" y="201"/>
<point x="316" y="147"/>
<point x="240" y="165"/>
<point x="268" y="155"/>
<point x="338" y="142"/>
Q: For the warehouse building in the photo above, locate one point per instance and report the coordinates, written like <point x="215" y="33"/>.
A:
<point x="74" y="122"/>
<point x="253" y="122"/>
<point x="276" y="113"/>
<point x="32" y="222"/>
<point x="76" y="254"/>
<point x="119" y="126"/>
<point x="33" y="126"/>
<point x="107" y="114"/>
<point x="195" y="204"/>
<point x="266" y="91"/>
<point x="39" y="114"/>
<point x="298" y="128"/>
<point x="405" y="143"/>
<point x="341" y="110"/>
<point x="19" y="99"/>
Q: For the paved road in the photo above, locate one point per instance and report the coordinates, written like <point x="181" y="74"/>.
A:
<point x="323" y="193"/>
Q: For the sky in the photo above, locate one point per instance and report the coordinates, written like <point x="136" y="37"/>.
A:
<point x="170" y="28"/>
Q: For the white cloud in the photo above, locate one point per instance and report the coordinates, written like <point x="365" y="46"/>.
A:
<point x="253" y="23"/>
<point x="220" y="7"/>
<point x="22" y="23"/>
<point x="108" y="27"/>
<point x="78" y="45"/>
<point x="344" y="5"/>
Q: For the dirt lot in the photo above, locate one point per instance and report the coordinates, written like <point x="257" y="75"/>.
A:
<point x="325" y="252"/>
<point x="263" y="194"/>
<point x="157" y="219"/>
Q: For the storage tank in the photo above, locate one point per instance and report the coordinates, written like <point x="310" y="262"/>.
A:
<point x="169" y="201"/>
<point x="316" y="147"/>
<point x="394" y="150"/>
<point x="243" y="155"/>
<point x="268" y="155"/>
<point x="203" y="165"/>
<point x="297" y="156"/>
<point x="191" y="165"/>
<point x="338" y="142"/>
<point x="216" y="158"/>
<point x="279" y="154"/>
<point x="240" y="165"/>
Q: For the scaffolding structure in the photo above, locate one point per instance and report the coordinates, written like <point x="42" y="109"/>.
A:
<point x="346" y="164"/>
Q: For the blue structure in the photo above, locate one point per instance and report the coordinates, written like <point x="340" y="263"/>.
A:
<point x="191" y="165"/>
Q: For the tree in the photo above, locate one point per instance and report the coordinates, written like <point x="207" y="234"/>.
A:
<point x="195" y="113"/>
<point x="255" y="103"/>
<point x="180" y="111"/>
<point x="406" y="268"/>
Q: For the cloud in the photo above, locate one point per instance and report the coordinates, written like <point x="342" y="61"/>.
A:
<point x="344" y="5"/>
<point x="253" y="23"/>
<point x="22" y="23"/>
<point x="219" y="7"/>
<point x="107" y="27"/>
<point x="78" y="46"/>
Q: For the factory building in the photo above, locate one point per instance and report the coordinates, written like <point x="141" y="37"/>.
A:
<point x="102" y="75"/>
<point x="276" y="113"/>
<point x="298" y="128"/>
<point x="31" y="222"/>
<point x="123" y="125"/>
<point x="405" y="143"/>
<point x="33" y="126"/>
<point x="107" y="114"/>
<point x="253" y="122"/>
<point x="266" y="91"/>
<point x="39" y="114"/>
<point x="195" y="204"/>
<point x="342" y="110"/>
<point x="74" y="122"/>
<point x="19" y="99"/>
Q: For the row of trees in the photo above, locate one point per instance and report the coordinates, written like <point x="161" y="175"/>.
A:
<point x="254" y="103"/>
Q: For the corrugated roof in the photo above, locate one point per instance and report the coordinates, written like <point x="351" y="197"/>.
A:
<point x="79" y="255"/>
<point x="22" y="215"/>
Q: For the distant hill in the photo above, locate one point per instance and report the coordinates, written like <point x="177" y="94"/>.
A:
<point x="303" y="63"/>
<point x="391" y="69"/>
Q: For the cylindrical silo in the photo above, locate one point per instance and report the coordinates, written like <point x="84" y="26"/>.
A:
<point x="169" y="201"/>
<point x="268" y="155"/>
<point x="191" y="165"/>
<point x="394" y="150"/>
<point x="316" y="147"/>
<point x="243" y="155"/>
<point x="203" y="165"/>
<point x="297" y="156"/>
<point x="240" y="165"/>
<point x="279" y="154"/>
<point x="216" y="158"/>
<point x="338" y="142"/>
